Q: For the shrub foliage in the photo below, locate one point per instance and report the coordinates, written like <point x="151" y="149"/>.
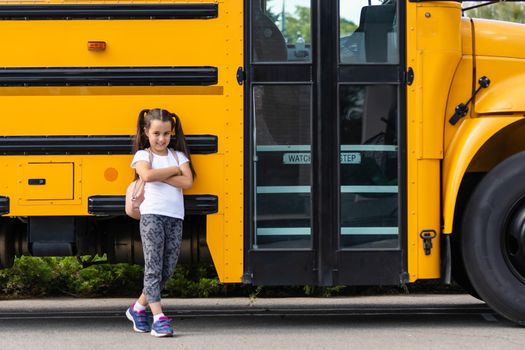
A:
<point x="59" y="276"/>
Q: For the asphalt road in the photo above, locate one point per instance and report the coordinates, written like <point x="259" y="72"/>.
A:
<point x="385" y="322"/>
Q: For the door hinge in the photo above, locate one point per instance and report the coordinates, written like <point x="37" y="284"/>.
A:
<point x="409" y="76"/>
<point x="241" y="76"/>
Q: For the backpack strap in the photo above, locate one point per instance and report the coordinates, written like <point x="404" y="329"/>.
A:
<point x="175" y="155"/>
<point x="150" y="156"/>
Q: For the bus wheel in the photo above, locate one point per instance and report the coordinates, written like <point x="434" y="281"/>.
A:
<point x="7" y="244"/>
<point x="493" y="238"/>
<point x="459" y="274"/>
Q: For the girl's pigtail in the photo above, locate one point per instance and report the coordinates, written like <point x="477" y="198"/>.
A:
<point x="140" y="141"/>
<point x="180" y="141"/>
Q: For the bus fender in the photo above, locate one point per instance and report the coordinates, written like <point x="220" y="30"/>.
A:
<point x="472" y="134"/>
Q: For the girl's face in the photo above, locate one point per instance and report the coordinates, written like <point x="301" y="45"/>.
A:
<point x="159" y="135"/>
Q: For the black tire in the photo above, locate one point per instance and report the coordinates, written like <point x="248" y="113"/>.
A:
<point x="459" y="274"/>
<point x="493" y="238"/>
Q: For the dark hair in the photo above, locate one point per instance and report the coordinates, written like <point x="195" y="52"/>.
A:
<point x="178" y="142"/>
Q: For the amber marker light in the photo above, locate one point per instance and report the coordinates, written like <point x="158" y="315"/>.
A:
<point x="111" y="174"/>
<point x="96" y="45"/>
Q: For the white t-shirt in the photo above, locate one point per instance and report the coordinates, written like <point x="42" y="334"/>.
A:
<point x="159" y="197"/>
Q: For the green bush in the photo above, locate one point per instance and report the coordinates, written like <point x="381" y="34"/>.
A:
<point x="197" y="281"/>
<point x="56" y="276"/>
<point x="108" y="280"/>
<point x="30" y="277"/>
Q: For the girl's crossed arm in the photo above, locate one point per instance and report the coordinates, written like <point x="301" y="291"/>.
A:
<point x="183" y="180"/>
<point x="147" y="174"/>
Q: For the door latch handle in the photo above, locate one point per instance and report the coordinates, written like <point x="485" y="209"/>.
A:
<point x="427" y="236"/>
<point x="36" y="181"/>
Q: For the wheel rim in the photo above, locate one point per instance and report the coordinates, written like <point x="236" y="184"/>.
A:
<point x="514" y="240"/>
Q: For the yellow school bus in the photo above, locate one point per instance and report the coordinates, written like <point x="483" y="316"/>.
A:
<point x="356" y="142"/>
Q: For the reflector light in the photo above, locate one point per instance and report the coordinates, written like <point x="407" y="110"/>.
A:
<point x="96" y="45"/>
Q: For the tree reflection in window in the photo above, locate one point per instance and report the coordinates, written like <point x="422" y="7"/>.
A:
<point x="292" y="20"/>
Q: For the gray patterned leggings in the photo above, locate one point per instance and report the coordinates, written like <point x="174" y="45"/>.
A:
<point x="161" y="240"/>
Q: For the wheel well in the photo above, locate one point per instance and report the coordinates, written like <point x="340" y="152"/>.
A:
<point x="505" y="143"/>
<point x="500" y="146"/>
<point x="468" y="185"/>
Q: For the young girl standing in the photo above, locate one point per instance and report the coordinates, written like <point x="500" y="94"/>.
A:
<point x="166" y="173"/>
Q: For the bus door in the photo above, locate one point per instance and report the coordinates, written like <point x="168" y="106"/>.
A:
<point x="325" y="124"/>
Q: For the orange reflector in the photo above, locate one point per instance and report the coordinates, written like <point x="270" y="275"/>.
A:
<point x="96" y="45"/>
<point x="111" y="174"/>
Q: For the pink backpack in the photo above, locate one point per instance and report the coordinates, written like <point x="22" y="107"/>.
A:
<point x="135" y="195"/>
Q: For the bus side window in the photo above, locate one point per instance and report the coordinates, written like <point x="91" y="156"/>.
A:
<point x="375" y="39"/>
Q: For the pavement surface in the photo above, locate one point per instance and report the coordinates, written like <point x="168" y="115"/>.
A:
<point x="217" y="304"/>
<point x="379" y="322"/>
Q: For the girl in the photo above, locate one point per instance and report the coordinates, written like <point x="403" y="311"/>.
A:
<point x="166" y="173"/>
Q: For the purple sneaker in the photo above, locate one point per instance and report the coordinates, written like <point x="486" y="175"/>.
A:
<point x="162" y="328"/>
<point x="139" y="319"/>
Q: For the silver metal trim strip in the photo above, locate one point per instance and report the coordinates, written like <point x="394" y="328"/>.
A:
<point x="369" y="231"/>
<point x="284" y="231"/>
<point x="369" y="189"/>
<point x="283" y="189"/>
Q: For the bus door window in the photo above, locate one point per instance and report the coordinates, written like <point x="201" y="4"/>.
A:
<point x="281" y="31"/>
<point x="369" y="166"/>
<point x="282" y="166"/>
<point x="368" y="32"/>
